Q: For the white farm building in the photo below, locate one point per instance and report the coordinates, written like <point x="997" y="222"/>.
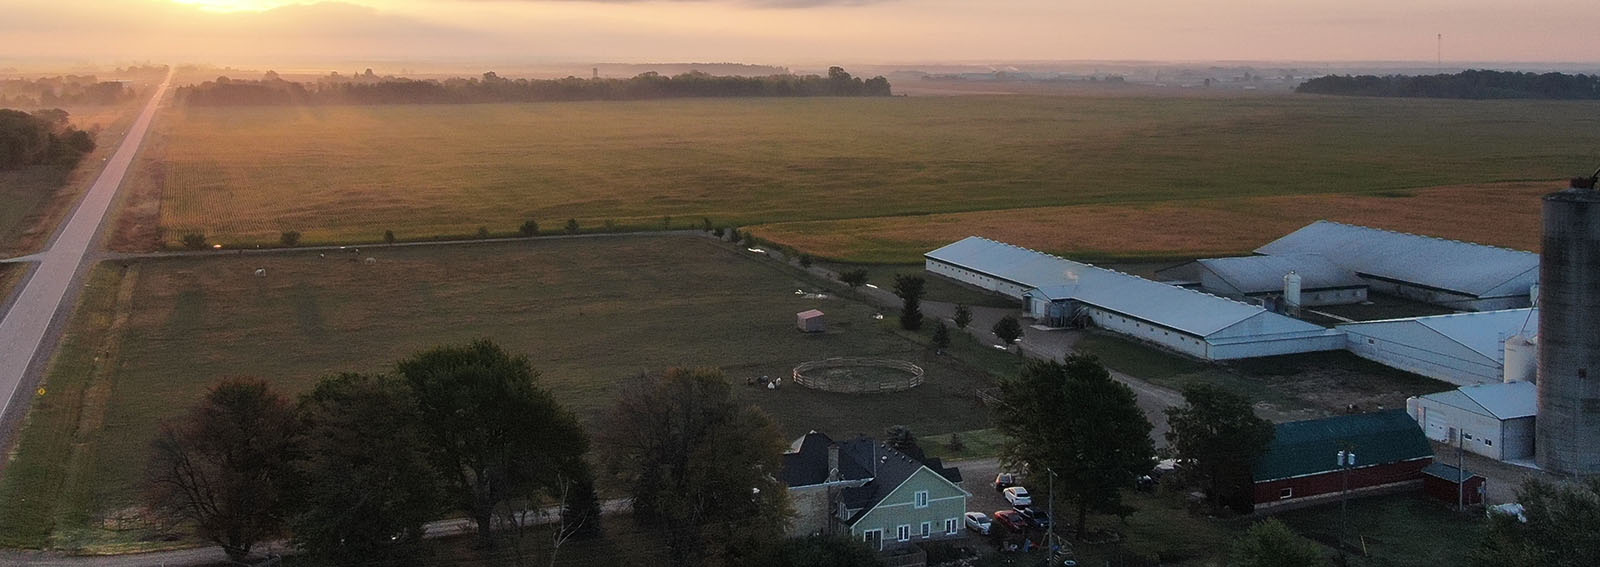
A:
<point x="1058" y="291"/>
<point x="1257" y="278"/>
<point x="1460" y="348"/>
<point x="1493" y="420"/>
<point x="1459" y="275"/>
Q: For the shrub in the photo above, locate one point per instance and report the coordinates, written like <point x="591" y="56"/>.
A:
<point x="529" y="228"/>
<point x="734" y="236"/>
<point x="194" y="240"/>
<point x="718" y="232"/>
<point x="854" y="278"/>
<point x="666" y="223"/>
<point x="705" y="222"/>
<point x="572" y="226"/>
<point x="955" y="444"/>
<point x="963" y="316"/>
<point x="806" y="260"/>
<point x="290" y="238"/>
<point x="483" y="232"/>
<point x="388" y="236"/>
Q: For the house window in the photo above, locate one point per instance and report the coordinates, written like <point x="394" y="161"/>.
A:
<point x="927" y="530"/>
<point x="1286" y="493"/>
<point x="950" y="526"/>
<point x="903" y="533"/>
<point x="922" y="499"/>
<point x="873" y="539"/>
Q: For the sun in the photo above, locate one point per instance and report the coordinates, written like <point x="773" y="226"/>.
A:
<point x="234" y="5"/>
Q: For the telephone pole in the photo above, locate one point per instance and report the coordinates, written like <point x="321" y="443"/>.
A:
<point x="1347" y="459"/>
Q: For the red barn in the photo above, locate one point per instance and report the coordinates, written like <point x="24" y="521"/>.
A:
<point x="1441" y="481"/>
<point x="1303" y="460"/>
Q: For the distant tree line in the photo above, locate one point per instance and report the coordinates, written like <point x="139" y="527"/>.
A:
<point x="62" y="90"/>
<point x="44" y="137"/>
<point x="367" y="89"/>
<point x="1470" y="84"/>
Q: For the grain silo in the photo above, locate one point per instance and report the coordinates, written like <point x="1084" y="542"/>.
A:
<point x="1568" y="438"/>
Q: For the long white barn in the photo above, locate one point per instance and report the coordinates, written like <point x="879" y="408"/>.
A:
<point x="1057" y="290"/>
<point x="1459" y="348"/>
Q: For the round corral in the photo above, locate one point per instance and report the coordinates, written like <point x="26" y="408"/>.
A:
<point x="858" y="375"/>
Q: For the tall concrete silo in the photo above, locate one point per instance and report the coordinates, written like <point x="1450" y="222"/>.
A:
<point x="1568" y="426"/>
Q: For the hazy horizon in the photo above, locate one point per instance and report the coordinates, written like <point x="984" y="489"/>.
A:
<point x="797" y="32"/>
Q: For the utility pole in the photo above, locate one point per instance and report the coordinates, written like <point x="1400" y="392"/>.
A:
<point x="1461" y="490"/>
<point x="1050" y="511"/>
<point x="1347" y="459"/>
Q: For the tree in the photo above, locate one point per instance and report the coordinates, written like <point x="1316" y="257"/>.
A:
<point x="900" y="438"/>
<point x="1273" y="544"/>
<point x="493" y="434"/>
<point x="666" y="223"/>
<point x="806" y="260"/>
<point x="290" y="238"/>
<point x="1558" y="531"/>
<point x="910" y="289"/>
<point x="388" y="237"/>
<point x="701" y="467"/>
<point x="572" y="226"/>
<point x="963" y="316"/>
<point x="194" y="241"/>
<point x="1008" y="329"/>
<point x="225" y="467"/>
<point x="1217" y="438"/>
<point x="853" y="278"/>
<point x="368" y="485"/>
<point x="824" y="551"/>
<point x="1072" y="418"/>
<point x="941" y="337"/>
<point x="529" y="227"/>
<point x="483" y="232"/>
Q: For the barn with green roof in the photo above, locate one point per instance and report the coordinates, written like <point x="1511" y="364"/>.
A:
<point x="1303" y="460"/>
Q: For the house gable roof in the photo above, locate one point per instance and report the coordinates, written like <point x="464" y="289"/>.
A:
<point x="806" y="463"/>
<point x="891" y="469"/>
<point x="1305" y="448"/>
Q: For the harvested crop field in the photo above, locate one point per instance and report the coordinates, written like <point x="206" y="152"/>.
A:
<point x="243" y="175"/>
<point x="1182" y="229"/>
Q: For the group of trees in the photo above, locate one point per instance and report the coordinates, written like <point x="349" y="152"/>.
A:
<point x="273" y="90"/>
<point x="354" y="469"/>
<point x="45" y="137"/>
<point x="62" y="90"/>
<point x="1472" y="84"/>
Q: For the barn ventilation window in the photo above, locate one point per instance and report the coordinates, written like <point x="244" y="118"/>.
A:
<point x="1285" y="493"/>
<point x="1488" y="442"/>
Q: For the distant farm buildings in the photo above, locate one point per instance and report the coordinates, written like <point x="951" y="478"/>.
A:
<point x="1263" y="279"/>
<point x="1059" y="292"/>
<point x="1460" y="348"/>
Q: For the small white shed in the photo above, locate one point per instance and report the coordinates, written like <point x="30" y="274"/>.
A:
<point x="1493" y="420"/>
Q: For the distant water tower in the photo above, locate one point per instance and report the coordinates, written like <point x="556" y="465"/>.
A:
<point x="1568" y="427"/>
<point x="1291" y="290"/>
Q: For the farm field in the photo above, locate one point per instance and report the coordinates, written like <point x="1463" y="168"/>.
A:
<point x="1182" y="229"/>
<point x="37" y="198"/>
<point x="150" y="336"/>
<point x="242" y="175"/>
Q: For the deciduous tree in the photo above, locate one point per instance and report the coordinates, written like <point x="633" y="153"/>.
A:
<point x="1272" y="544"/>
<point x="1008" y="329"/>
<point x="368" y="486"/>
<point x="1217" y="438"/>
<point x="853" y="278"/>
<point x="226" y="466"/>
<point x="529" y="227"/>
<point x="1072" y="418"/>
<point x="1556" y="528"/>
<point x="492" y="433"/>
<point x="701" y="467"/>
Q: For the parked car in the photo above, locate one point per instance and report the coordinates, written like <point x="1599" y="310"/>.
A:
<point x="1035" y="517"/>
<point x="1004" y="480"/>
<point x="1018" y="496"/>
<point x="978" y="522"/>
<point x="1010" y="520"/>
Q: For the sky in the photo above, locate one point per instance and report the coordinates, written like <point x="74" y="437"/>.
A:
<point x="801" y="32"/>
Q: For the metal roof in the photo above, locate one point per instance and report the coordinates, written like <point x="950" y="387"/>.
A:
<point x="1451" y="265"/>
<point x="1197" y="313"/>
<point x="1305" y="448"/>
<point x="1484" y="332"/>
<point x="1262" y="274"/>
<point x="1446" y="472"/>
<point x="1500" y="400"/>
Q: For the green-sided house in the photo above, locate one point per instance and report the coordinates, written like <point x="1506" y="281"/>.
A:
<point x="872" y="492"/>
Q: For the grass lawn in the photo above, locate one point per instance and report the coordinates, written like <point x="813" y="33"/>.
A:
<point x="975" y="444"/>
<point x="36" y="198"/>
<point x="1395" y="531"/>
<point x="936" y="289"/>
<point x="590" y="313"/>
<point x="1291" y="387"/>
<point x="347" y="173"/>
<point x="10" y="274"/>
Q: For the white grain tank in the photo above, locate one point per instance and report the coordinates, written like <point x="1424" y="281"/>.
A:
<point x="1291" y="289"/>
<point x="1522" y="357"/>
<point x="1567" y="437"/>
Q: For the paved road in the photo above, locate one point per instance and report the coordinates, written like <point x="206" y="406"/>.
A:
<point x="46" y="293"/>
